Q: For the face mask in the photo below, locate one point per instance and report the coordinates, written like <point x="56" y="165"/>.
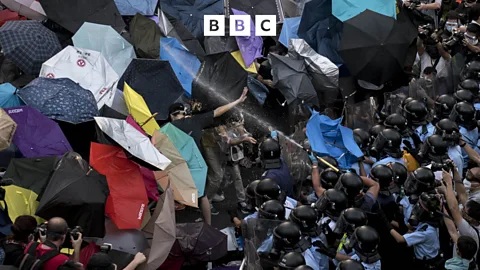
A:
<point x="471" y="40"/>
<point x="449" y="26"/>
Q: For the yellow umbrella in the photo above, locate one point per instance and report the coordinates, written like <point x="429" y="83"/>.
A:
<point x="7" y="129"/>
<point x="21" y="201"/>
<point x="139" y="110"/>
<point x="238" y="56"/>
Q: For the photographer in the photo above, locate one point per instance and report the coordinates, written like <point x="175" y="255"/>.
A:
<point x="430" y="50"/>
<point x="427" y="7"/>
<point x="471" y="40"/>
<point x="464" y="9"/>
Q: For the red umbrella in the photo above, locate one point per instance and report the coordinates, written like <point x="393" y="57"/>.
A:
<point x="128" y="200"/>
<point x="8" y="15"/>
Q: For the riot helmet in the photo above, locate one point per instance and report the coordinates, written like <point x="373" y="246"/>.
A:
<point x="361" y="138"/>
<point x="406" y="101"/>
<point x="270" y="154"/>
<point x="416" y="113"/>
<point x="351" y="184"/>
<point x="383" y="175"/>
<point x="464" y="95"/>
<point x="304" y="267"/>
<point x="444" y="105"/>
<point x="250" y="194"/>
<point x="329" y="159"/>
<point x="306" y="218"/>
<point x="350" y="219"/>
<point x="387" y="143"/>
<point x="291" y="261"/>
<point x="396" y="121"/>
<point x="400" y="172"/>
<point x="350" y="265"/>
<point x="464" y="114"/>
<point x="427" y="209"/>
<point x="449" y="131"/>
<point x="332" y="203"/>
<point x="421" y="180"/>
<point x="287" y="237"/>
<point x="267" y="190"/>
<point x="366" y="240"/>
<point x="470" y="85"/>
<point x="471" y="71"/>
<point x="329" y="178"/>
<point x="374" y="131"/>
<point x="272" y="209"/>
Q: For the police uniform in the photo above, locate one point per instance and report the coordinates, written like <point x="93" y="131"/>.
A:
<point x="409" y="140"/>
<point x="407" y="208"/>
<point x="369" y="266"/>
<point x="426" y="132"/>
<point x="425" y="241"/>
<point x="388" y="159"/>
<point x="356" y="166"/>
<point x="320" y="260"/>
<point x="289" y="204"/>
<point x="470" y="137"/>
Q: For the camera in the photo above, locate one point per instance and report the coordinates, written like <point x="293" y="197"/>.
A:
<point x="75" y="232"/>
<point x="414" y="4"/>
<point x="105" y="248"/>
<point x="426" y="31"/>
<point x="446" y="165"/>
<point x="40" y="230"/>
<point x="455" y="39"/>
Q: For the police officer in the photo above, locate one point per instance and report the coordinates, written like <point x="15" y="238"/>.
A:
<point x="416" y="113"/>
<point x="384" y="175"/>
<point x="350" y="265"/>
<point x="362" y="139"/>
<point x="464" y="95"/>
<point x="464" y="115"/>
<point x="350" y="219"/>
<point x="386" y="147"/>
<point x="250" y="196"/>
<point x="443" y="106"/>
<point x="330" y="205"/>
<point x="470" y="85"/>
<point x="275" y="166"/>
<point x="399" y="122"/>
<point x="366" y="240"/>
<point x="272" y="209"/>
<point x="304" y="267"/>
<point x="352" y="185"/>
<point x="401" y="173"/>
<point x="290" y="261"/>
<point x="287" y="238"/>
<point x="374" y="131"/>
<point x="329" y="178"/>
<point x="268" y="189"/>
<point x="471" y="71"/>
<point x="434" y="154"/>
<point x="451" y="135"/>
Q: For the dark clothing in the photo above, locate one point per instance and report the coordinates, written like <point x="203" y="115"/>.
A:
<point x="194" y="125"/>
<point x="282" y="177"/>
<point x="13" y="251"/>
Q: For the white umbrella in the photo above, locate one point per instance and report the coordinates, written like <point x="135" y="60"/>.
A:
<point x="86" y="67"/>
<point x="31" y="9"/>
<point x="133" y="141"/>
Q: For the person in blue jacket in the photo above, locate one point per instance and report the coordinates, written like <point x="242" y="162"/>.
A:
<point x="464" y="115"/>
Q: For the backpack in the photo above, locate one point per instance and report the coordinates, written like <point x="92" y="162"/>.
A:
<point x="13" y="251"/>
<point x="31" y="262"/>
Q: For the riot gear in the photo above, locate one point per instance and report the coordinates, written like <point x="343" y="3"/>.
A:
<point x="444" y="105"/>
<point x="471" y="71"/>
<point x="400" y="172"/>
<point x="350" y="265"/>
<point x="270" y="153"/>
<point x="272" y="209"/>
<point x="351" y="184"/>
<point x="330" y="160"/>
<point x="396" y="121"/>
<point x="406" y="101"/>
<point x="421" y="180"/>
<point x="267" y="190"/>
<point x="374" y="131"/>
<point x="303" y="267"/>
<point x="291" y="260"/>
<point x="416" y="112"/>
<point x="332" y="203"/>
<point x="350" y="219"/>
<point x="449" y="131"/>
<point x="383" y="175"/>
<point x="436" y="146"/>
<point x="464" y="95"/>
<point x="427" y="209"/>
<point x="329" y="178"/>
<point x="387" y="142"/>
<point x="464" y="115"/>
<point x="306" y="218"/>
<point x="287" y="237"/>
<point x="470" y="85"/>
<point x="361" y="138"/>
<point x="250" y="194"/>
<point x="365" y="240"/>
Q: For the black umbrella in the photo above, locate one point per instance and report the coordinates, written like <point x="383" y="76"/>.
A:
<point x="76" y="193"/>
<point x="220" y="80"/>
<point x="80" y="136"/>
<point x="145" y="36"/>
<point x="374" y="46"/>
<point x="256" y="7"/>
<point x="155" y="81"/>
<point x="73" y="13"/>
<point x="227" y="43"/>
<point x="109" y="112"/>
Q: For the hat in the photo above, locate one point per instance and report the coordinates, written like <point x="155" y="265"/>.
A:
<point x="176" y="108"/>
<point x="100" y="261"/>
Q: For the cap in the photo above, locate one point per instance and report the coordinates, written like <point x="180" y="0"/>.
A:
<point x="100" y="261"/>
<point x="176" y="108"/>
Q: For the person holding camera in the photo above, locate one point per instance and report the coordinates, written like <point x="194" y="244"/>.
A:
<point x="430" y="51"/>
<point x="427" y="7"/>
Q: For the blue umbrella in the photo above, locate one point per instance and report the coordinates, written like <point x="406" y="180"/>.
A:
<point x="257" y="89"/>
<point x="184" y="64"/>
<point x="60" y="99"/>
<point x="8" y="96"/>
<point x="347" y="9"/>
<point x="289" y="30"/>
<point x="328" y="137"/>
<point x="321" y="30"/>
<point x="132" y="7"/>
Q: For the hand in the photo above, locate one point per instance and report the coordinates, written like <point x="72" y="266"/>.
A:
<point x="406" y="3"/>
<point x="465" y="42"/>
<point x="421" y="7"/>
<point x="313" y="158"/>
<point x="269" y="83"/>
<point x="77" y="243"/>
<point x="250" y="140"/>
<point x="243" y="96"/>
<point x="139" y="258"/>
<point x="237" y="222"/>
<point x="321" y="248"/>
<point x="447" y="178"/>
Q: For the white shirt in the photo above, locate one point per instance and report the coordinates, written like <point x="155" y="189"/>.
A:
<point x="427" y="61"/>
<point x="465" y="229"/>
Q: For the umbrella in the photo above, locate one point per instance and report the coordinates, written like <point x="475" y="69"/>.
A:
<point x="256" y="7"/>
<point x="347" y="9"/>
<point x="8" y="96"/>
<point x="323" y="72"/>
<point x="76" y="193"/>
<point x="104" y="39"/>
<point x="85" y="67"/>
<point x="189" y="151"/>
<point x="7" y="155"/>
<point x="257" y="89"/>
<point x="10" y="73"/>
<point x="292" y="8"/>
<point x="185" y="190"/>
<point x="139" y="110"/>
<point x="7" y="130"/>
<point x="132" y="141"/>
<point x="129" y="241"/>
<point x="31" y="9"/>
<point x="79" y="135"/>
<point x="153" y="79"/>
<point x="60" y="99"/>
<point x="289" y="30"/>
<point x="220" y="80"/>
<point x="250" y="46"/>
<point x="28" y="44"/>
<point x="72" y="14"/>
<point x="328" y="137"/>
<point x="145" y="36"/>
<point x="291" y="78"/>
<point x="162" y="226"/>
<point x="106" y="111"/>
<point x="191" y="12"/>
<point x="127" y="200"/>
<point x="132" y="7"/>
<point x="8" y="15"/>
<point x="36" y="135"/>
<point x="184" y="64"/>
<point x="215" y="45"/>
<point x="321" y="30"/>
<point x="377" y="54"/>
<point x="238" y="56"/>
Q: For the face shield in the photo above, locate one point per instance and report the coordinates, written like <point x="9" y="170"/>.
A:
<point x="343" y="226"/>
<point x="378" y="145"/>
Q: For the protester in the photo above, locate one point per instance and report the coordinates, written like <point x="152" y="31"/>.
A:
<point x="22" y="233"/>
<point x="466" y="249"/>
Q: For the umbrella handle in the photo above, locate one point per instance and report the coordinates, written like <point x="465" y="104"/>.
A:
<point x="148" y="119"/>
<point x="322" y="160"/>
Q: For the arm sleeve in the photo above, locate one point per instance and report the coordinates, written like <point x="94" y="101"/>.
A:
<point x="204" y="119"/>
<point x="414" y="238"/>
<point x="465" y="229"/>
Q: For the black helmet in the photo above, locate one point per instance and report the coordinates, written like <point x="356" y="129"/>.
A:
<point x="421" y="180"/>
<point x="332" y="203"/>
<point x="272" y="209"/>
<point x="396" y="121"/>
<point x="471" y="71"/>
<point x="329" y="178"/>
<point x="470" y="85"/>
<point x="291" y="260"/>
<point x="367" y="240"/>
<point x="330" y="160"/>
<point x="350" y="219"/>
<point x="350" y="265"/>
<point x="464" y="95"/>
<point x="444" y="105"/>
<point x="270" y="153"/>
<point x="437" y="146"/>
<point x="427" y="209"/>
<point x="266" y="190"/>
<point x="416" y="112"/>
<point x="304" y="267"/>
<point x="306" y="218"/>
<point x="400" y="172"/>
<point x="406" y="101"/>
<point x="387" y="142"/>
<point x="288" y="237"/>
<point x="250" y="193"/>
<point x="449" y="131"/>
<point x="361" y="138"/>
<point x="374" y="131"/>
<point x="351" y="184"/>
<point x="382" y="174"/>
<point x="465" y="115"/>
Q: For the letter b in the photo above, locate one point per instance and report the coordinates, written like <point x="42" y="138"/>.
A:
<point x="214" y="25"/>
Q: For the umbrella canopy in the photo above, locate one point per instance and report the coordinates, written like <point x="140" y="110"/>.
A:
<point x="185" y="190"/>
<point x="28" y="44"/>
<point x="21" y="201"/>
<point x="328" y="137"/>
<point x="76" y="193"/>
<point x="191" y="13"/>
<point x="8" y="96"/>
<point x="127" y="200"/>
<point x="139" y="110"/>
<point x="220" y="80"/>
<point x="145" y="36"/>
<point x="31" y="173"/>
<point x="256" y="7"/>
<point x="153" y="79"/>
<point x="7" y="130"/>
<point x="79" y="135"/>
<point x="291" y="78"/>
<point x="289" y="30"/>
<point x="60" y="99"/>
<point x="257" y="89"/>
<point x="189" y="151"/>
<point x="162" y="226"/>
<point x="292" y="8"/>
<point x="347" y="9"/>
<point x="72" y="14"/>
<point x="321" y="30"/>
<point x="109" y="112"/>
<point x="8" y="15"/>
<point x="323" y="72"/>
<point x="250" y="46"/>
<point x="85" y="67"/>
<point x="378" y="54"/>
<point x="132" y="141"/>
<point x="238" y="56"/>
<point x="36" y="135"/>
<point x="104" y="39"/>
<point x="132" y="7"/>
<point x="31" y="9"/>
<point x="128" y="241"/>
<point x="184" y="64"/>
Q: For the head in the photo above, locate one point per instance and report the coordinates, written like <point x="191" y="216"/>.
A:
<point x="23" y="227"/>
<point x="475" y="11"/>
<point x="471" y="33"/>
<point x="270" y="152"/>
<point x="429" y="73"/>
<point x="471" y="212"/>
<point x="452" y="21"/>
<point x="57" y="229"/>
<point x="291" y="260"/>
<point x="177" y="111"/>
<point x="101" y="261"/>
<point x="472" y="180"/>
<point x="466" y="247"/>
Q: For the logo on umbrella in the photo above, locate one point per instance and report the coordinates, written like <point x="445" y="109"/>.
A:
<point x="50" y="76"/>
<point x="81" y="63"/>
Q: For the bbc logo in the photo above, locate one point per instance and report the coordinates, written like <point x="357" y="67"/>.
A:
<point x="240" y="25"/>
